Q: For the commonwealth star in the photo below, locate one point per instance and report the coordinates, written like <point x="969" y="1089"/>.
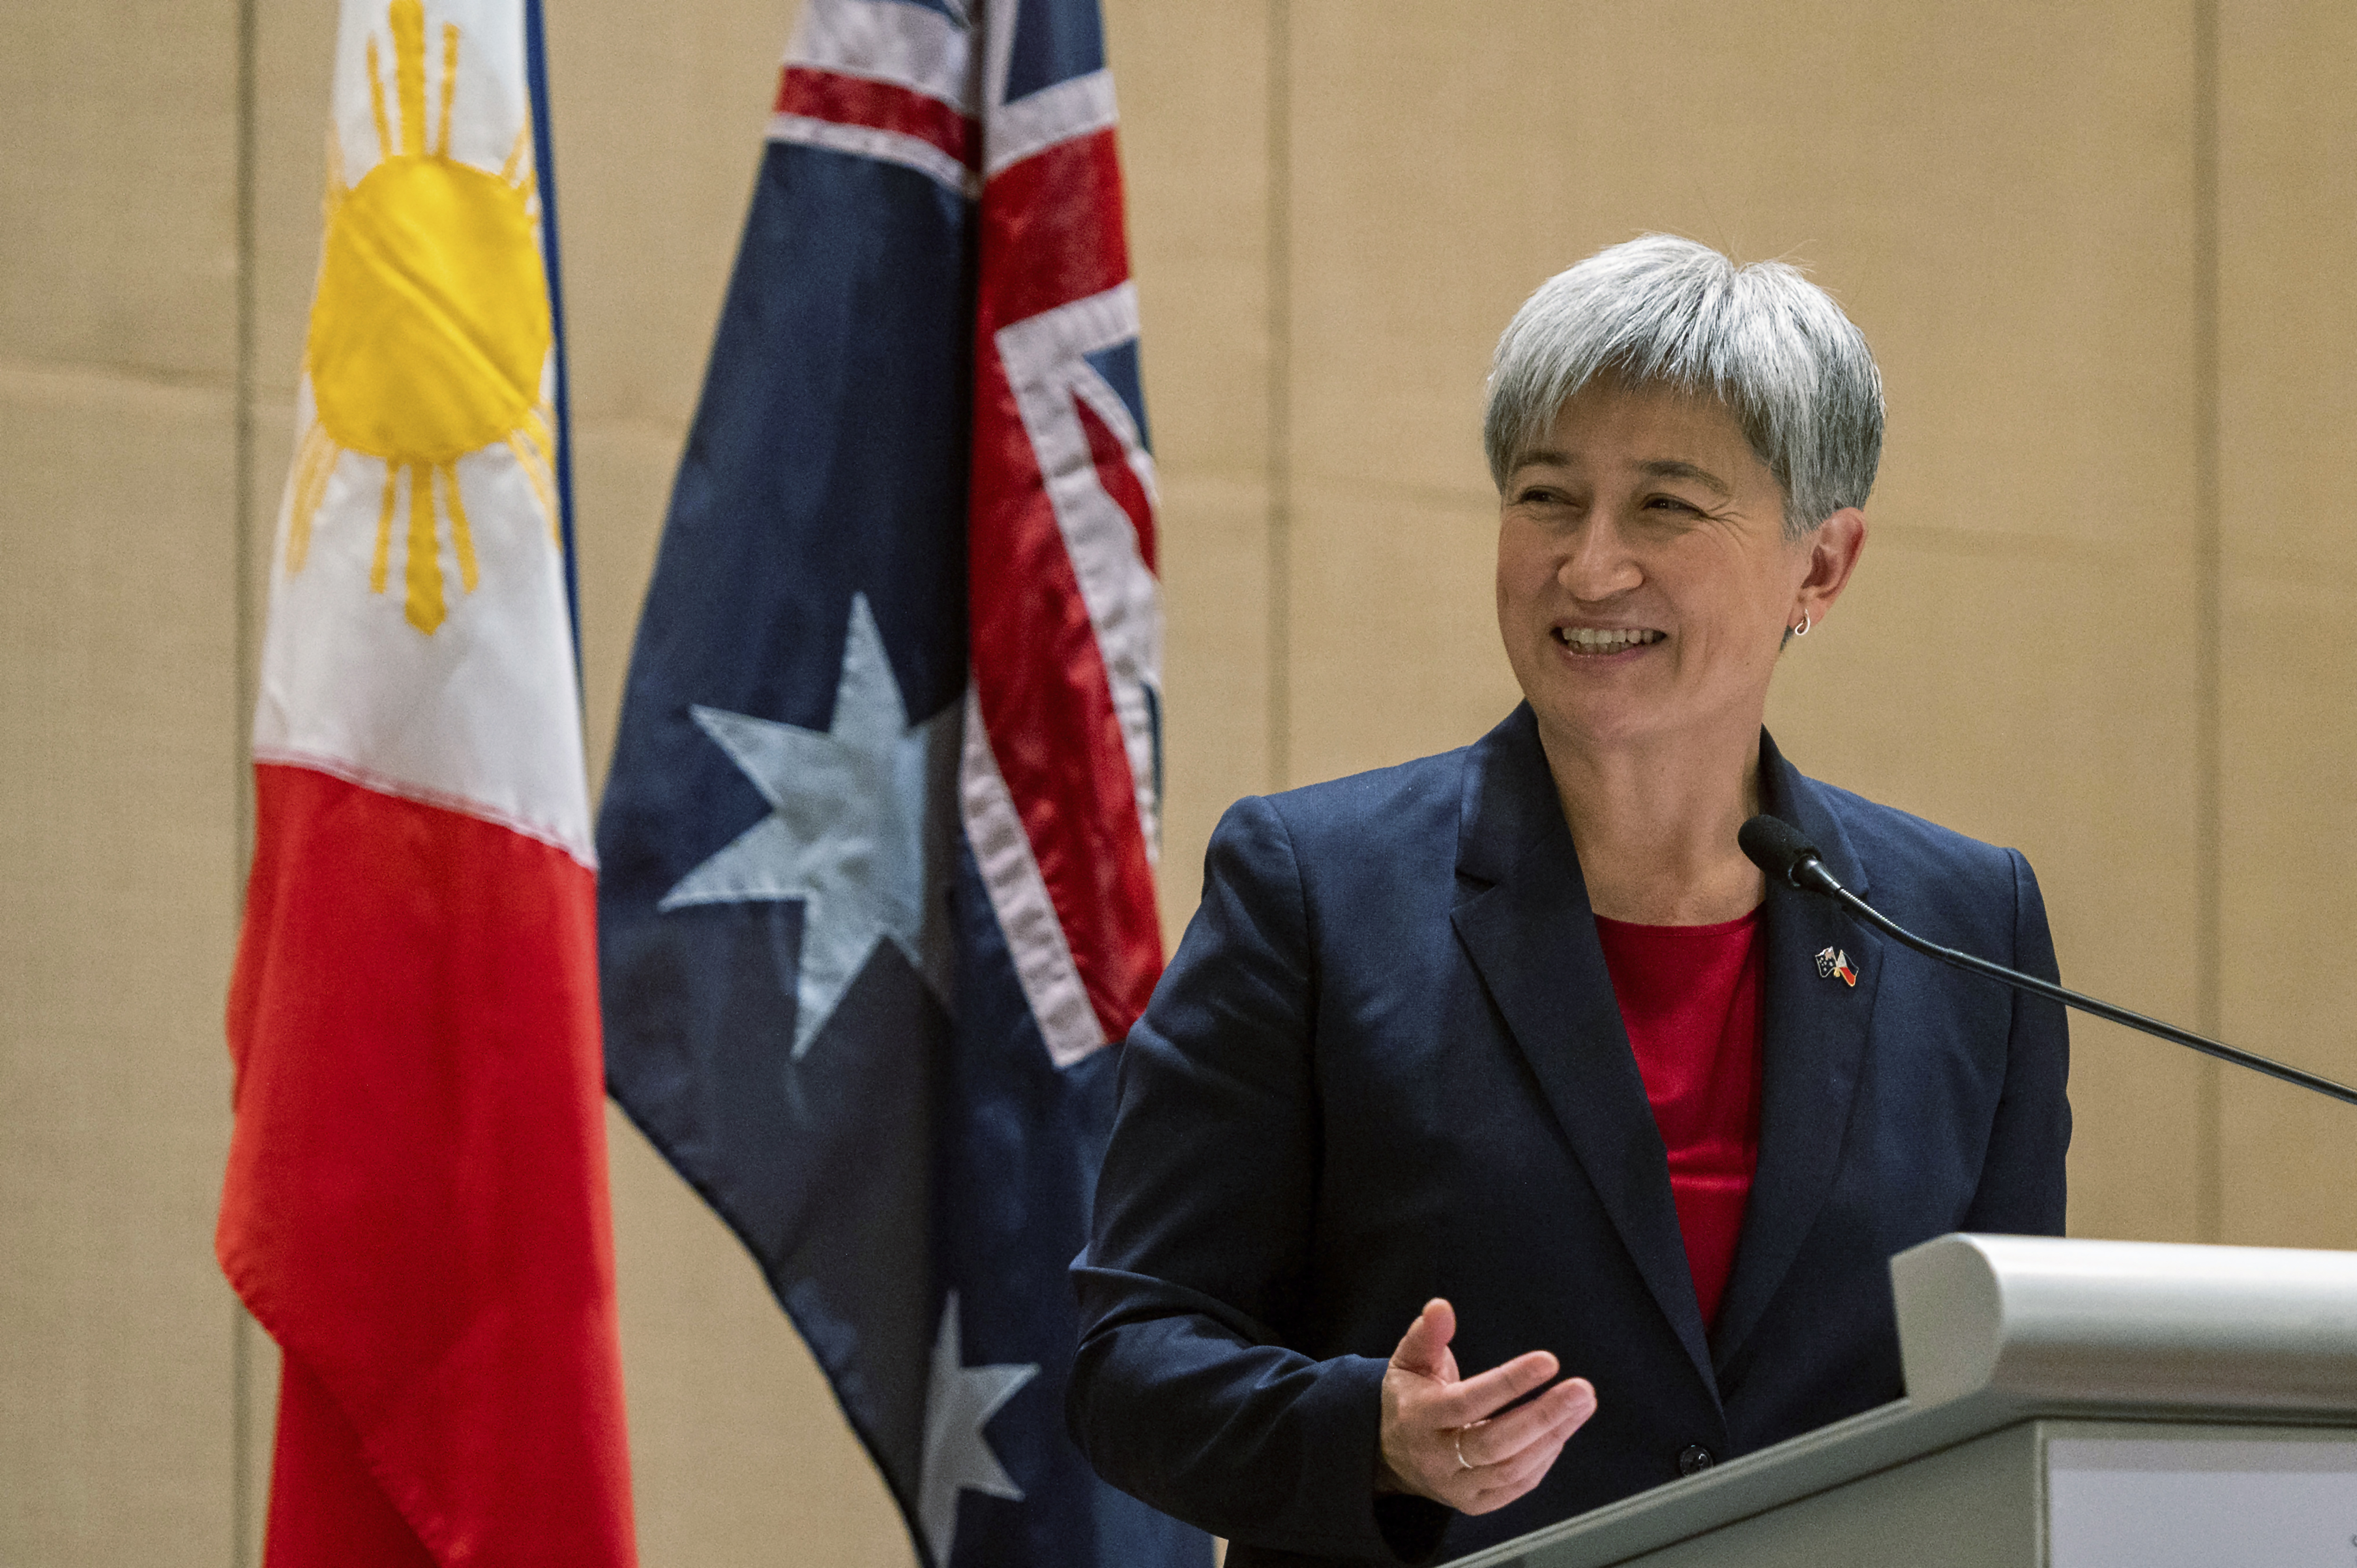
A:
<point x="959" y="1402"/>
<point x="859" y="829"/>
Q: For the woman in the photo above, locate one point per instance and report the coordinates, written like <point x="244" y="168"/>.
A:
<point x="1507" y="1060"/>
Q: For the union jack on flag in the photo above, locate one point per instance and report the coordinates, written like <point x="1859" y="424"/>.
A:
<point x="878" y="840"/>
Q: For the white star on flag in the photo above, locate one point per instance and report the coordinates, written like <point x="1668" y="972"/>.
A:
<point x="959" y="1402"/>
<point x="849" y="832"/>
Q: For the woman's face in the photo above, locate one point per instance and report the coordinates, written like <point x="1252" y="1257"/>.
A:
<point x="1644" y="581"/>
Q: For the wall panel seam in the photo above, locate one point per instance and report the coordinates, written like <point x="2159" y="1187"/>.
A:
<point x="2209" y="572"/>
<point x="241" y="1328"/>
<point x="1280" y="393"/>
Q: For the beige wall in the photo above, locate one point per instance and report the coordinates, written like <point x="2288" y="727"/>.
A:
<point x="2109" y="614"/>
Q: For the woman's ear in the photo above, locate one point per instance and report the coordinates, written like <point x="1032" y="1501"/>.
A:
<point x="1834" y="547"/>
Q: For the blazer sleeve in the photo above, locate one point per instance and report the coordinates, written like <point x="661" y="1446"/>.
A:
<point x="2023" y="1187"/>
<point x="1183" y="1390"/>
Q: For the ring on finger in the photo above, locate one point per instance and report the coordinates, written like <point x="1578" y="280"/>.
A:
<point x="1462" y="1462"/>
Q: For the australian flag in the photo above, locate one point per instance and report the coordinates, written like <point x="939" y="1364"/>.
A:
<point x="877" y="844"/>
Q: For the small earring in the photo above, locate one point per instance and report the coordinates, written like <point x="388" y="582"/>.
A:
<point x="1802" y="629"/>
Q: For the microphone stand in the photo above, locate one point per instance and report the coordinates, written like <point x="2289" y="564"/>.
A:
<point x="1807" y="872"/>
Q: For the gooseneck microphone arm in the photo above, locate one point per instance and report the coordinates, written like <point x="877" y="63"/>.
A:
<point x="1776" y="847"/>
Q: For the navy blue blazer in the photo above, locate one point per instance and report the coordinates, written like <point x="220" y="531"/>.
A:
<point x="1386" y="1064"/>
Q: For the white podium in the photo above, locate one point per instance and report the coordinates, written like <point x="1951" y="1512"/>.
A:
<point x="2070" y="1404"/>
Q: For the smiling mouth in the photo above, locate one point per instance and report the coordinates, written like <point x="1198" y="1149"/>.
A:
<point x="1591" y="641"/>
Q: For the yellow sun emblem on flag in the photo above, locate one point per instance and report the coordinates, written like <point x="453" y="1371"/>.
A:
<point x="430" y="333"/>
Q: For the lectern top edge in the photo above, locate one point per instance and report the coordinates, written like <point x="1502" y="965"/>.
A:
<point x="2241" y="1330"/>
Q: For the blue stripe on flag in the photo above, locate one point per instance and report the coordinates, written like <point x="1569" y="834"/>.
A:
<point x="543" y="160"/>
<point x="1054" y="42"/>
<point x="1118" y="366"/>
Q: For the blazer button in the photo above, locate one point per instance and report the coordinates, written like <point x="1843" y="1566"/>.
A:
<point x="1694" y="1459"/>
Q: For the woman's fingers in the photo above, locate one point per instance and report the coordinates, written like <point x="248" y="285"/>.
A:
<point x="1497" y="1487"/>
<point x="1554" y="1416"/>
<point x="1512" y="1455"/>
<point x="1499" y="1484"/>
<point x="1463" y="1404"/>
<point x="1503" y="1484"/>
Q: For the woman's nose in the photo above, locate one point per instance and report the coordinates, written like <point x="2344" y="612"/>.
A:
<point x="1600" y="562"/>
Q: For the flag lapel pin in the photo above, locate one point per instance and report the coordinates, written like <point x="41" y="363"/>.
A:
<point x="1834" y="963"/>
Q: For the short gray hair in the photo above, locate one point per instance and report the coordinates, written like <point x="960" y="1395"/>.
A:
<point x="1771" y="345"/>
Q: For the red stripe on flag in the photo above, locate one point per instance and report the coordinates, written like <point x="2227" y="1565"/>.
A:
<point x="1047" y="709"/>
<point x="416" y="1205"/>
<point x="1051" y="230"/>
<point x="1051" y="233"/>
<point x="1119" y="479"/>
<point x="879" y="105"/>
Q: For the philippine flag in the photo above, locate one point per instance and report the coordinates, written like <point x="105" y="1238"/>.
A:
<point x="416" y="1205"/>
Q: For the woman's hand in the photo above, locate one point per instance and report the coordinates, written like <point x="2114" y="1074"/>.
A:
<point x="1441" y="1438"/>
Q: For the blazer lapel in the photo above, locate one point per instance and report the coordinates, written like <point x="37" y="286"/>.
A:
<point x="1523" y="916"/>
<point x="1813" y="1043"/>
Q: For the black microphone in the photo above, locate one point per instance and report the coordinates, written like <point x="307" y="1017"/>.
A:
<point x="1779" y="848"/>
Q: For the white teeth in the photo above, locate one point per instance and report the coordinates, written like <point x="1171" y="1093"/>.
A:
<point x="1597" y="639"/>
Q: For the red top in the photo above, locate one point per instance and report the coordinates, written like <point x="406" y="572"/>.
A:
<point x="1690" y="998"/>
